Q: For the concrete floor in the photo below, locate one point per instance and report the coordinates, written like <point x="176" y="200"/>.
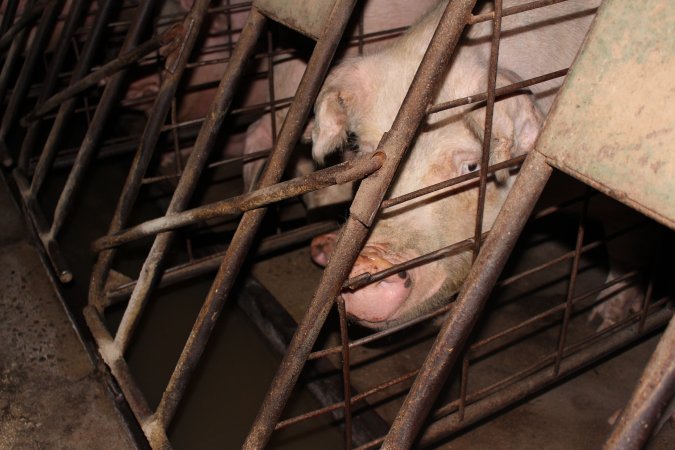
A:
<point x="51" y="393"/>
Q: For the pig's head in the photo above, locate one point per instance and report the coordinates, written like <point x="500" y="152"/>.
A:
<point x="357" y="104"/>
<point x="194" y="102"/>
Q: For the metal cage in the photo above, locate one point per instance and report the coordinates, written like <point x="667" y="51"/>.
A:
<point x="80" y="83"/>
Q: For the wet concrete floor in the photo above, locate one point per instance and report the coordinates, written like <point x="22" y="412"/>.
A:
<point x="51" y="393"/>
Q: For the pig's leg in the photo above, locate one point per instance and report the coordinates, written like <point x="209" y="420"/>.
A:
<point x="258" y="138"/>
<point x="623" y="299"/>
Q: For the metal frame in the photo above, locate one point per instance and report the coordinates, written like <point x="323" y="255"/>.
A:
<point x="490" y="249"/>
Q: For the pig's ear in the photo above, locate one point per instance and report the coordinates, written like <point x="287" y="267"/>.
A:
<point x="515" y="124"/>
<point x="344" y="97"/>
<point x="330" y="129"/>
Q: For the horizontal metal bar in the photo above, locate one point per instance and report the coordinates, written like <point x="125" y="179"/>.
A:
<point x="513" y="162"/>
<point x="513" y="10"/>
<point x="499" y="92"/>
<point x="342" y="173"/>
<point x="212" y="262"/>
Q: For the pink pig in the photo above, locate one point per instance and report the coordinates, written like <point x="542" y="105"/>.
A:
<point x="359" y="102"/>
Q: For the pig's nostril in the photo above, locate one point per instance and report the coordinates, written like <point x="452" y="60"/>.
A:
<point x="403" y="274"/>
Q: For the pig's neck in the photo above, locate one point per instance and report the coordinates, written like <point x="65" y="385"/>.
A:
<point x="416" y="40"/>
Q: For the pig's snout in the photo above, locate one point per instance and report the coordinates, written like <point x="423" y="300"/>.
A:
<point x="379" y="301"/>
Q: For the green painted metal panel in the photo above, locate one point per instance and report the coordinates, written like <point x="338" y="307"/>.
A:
<point x="309" y="17"/>
<point x="613" y="124"/>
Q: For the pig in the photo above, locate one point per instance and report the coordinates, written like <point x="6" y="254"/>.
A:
<point x="378" y="15"/>
<point x="357" y="105"/>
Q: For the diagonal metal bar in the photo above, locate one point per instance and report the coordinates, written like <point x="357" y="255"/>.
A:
<point x="22" y="24"/>
<point x="195" y="165"/>
<point x="345" y="172"/>
<point x="75" y="13"/>
<point x="133" y="55"/>
<point x="66" y="110"/>
<point x="654" y="391"/>
<point x="9" y="66"/>
<point x="478" y="285"/>
<point x="43" y="32"/>
<point x="290" y="133"/>
<point x="91" y="141"/>
<point x="362" y="215"/>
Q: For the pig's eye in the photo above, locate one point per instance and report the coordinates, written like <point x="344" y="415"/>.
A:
<point x="470" y="166"/>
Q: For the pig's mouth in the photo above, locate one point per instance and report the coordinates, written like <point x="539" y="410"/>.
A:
<point x="383" y="302"/>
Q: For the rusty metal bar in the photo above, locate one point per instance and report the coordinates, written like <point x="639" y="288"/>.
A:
<point x="8" y="17"/>
<point x="171" y="37"/>
<point x="366" y="278"/>
<point x="499" y="92"/>
<point x="89" y="145"/>
<point x="439" y="361"/>
<point x="487" y="131"/>
<point x="519" y="390"/>
<point x="548" y="360"/>
<point x="562" y="337"/>
<point x="175" y="66"/>
<point x="290" y="134"/>
<point x="380" y="334"/>
<point x="346" y="380"/>
<point x="513" y="10"/>
<point x="186" y="186"/>
<point x="66" y="110"/>
<point x="120" y="370"/>
<point x="43" y="32"/>
<point x="362" y="215"/>
<point x="6" y="75"/>
<point x="77" y="9"/>
<point x="211" y="263"/>
<point x="22" y="24"/>
<point x="451" y="182"/>
<point x="652" y="394"/>
<point x="356" y="398"/>
<point x="345" y="172"/>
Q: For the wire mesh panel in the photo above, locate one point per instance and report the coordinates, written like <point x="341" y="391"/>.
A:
<point x="210" y="137"/>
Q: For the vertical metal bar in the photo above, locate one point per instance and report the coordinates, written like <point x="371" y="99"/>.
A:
<point x="487" y="133"/>
<point x="346" y="382"/>
<point x="243" y="238"/>
<point x="654" y="391"/>
<point x="40" y="39"/>
<point x="471" y="300"/>
<point x="66" y="110"/>
<point x="571" y="288"/>
<point x="646" y="301"/>
<point x="91" y="140"/>
<point x="188" y="181"/>
<point x="77" y="8"/>
<point x="463" y="385"/>
<point x="362" y="215"/>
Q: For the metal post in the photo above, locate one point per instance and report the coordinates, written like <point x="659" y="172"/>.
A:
<point x="290" y="134"/>
<point x="654" y="391"/>
<point x="478" y="285"/>
<point x="362" y="215"/>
